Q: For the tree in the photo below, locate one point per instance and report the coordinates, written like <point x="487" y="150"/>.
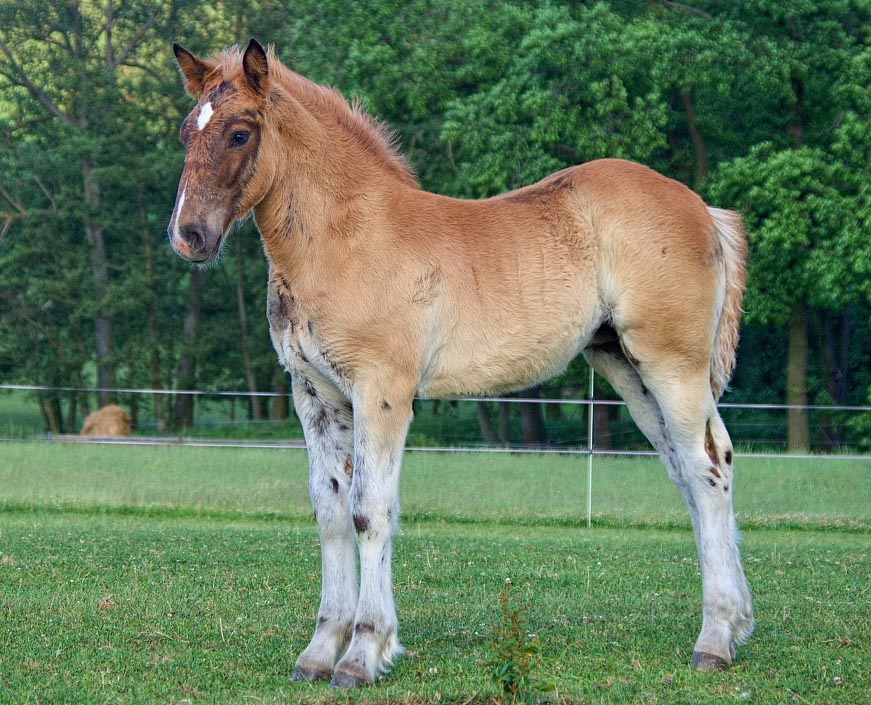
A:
<point x="794" y="189"/>
<point x="70" y="64"/>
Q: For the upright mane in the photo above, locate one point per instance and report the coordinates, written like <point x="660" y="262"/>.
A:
<point x="331" y="107"/>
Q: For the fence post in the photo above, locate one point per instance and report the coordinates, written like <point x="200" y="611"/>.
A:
<point x="590" y="452"/>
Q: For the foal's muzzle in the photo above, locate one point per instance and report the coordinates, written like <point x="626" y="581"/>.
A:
<point x="196" y="240"/>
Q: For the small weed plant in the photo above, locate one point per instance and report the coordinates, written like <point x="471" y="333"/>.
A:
<point x="514" y="653"/>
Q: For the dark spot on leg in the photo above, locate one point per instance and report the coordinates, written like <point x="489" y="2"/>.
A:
<point x="322" y="621"/>
<point x="335" y="483"/>
<point x="712" y="483"/>
<point x="349" y="466"/>
<point x="385" y="405"/>
<point x="311" y="327"/>
<point x="715" y="472"/>
<point x="321" y="422"/>
<point x="726" y="488"/>
<point x="309" y="389"/>
<point x="710" y="448"/>
<point x="364" y="628"/>
<point x="343" y="427"/>
<point x="361" y="523"/>
<point x="728" y="457"/>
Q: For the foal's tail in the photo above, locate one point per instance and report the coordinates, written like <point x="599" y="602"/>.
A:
<point x="731" y="234"/>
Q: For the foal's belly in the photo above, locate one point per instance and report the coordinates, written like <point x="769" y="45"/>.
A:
<point x="515" y="350"/>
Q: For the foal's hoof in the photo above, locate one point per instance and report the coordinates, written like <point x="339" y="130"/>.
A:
<point x="708" y="662"/>
<point x="345" y="680"/>
<point x="309" y="675"/>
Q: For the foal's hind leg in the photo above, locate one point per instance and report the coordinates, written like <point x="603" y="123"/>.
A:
<point x="693" y="461"/>
<point x="704" y="475"/>
<point x="326" y="419"/>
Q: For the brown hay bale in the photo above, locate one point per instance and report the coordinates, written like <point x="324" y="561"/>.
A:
<point x="111" y="420"/>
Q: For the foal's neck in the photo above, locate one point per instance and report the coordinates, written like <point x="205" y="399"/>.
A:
<point x="326" y="192"/>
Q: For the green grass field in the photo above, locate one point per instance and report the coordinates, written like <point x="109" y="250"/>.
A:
<point x="178" y="574"/>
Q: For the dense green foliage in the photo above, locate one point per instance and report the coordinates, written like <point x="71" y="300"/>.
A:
<point x="759" y="105"/>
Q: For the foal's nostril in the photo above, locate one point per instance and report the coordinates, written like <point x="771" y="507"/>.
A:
<point x="193" y="236"/>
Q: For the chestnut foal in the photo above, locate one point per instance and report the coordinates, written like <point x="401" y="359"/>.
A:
<point x="380" y="291"/>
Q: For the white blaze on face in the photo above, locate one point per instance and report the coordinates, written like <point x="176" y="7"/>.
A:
<point x="175" y="231"/>
<point x="205" y="115"/>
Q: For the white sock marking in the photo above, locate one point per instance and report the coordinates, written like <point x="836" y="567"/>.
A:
<point x="205" y="115"/>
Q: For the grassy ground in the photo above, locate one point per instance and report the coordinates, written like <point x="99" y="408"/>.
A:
<point x="19" y="415"/>
<point x="176" y="575"/>
<point x="466" y="487"/>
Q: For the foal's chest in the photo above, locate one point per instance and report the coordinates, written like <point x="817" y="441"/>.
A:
<point x="294" y="336"/>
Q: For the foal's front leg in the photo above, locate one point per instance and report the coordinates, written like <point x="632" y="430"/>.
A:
<point x="327" y="424"/>
<point x="381" y="419"/>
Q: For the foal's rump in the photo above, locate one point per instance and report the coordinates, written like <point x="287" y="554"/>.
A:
<point x="661" y="265"/>
<point x="608" y="243"/>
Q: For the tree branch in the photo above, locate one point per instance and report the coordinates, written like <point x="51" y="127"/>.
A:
<point x="19" y="212"/>
<point x="24" y="81"/>
<point x="686" y="8"/>
<point x="46" y="192"/>
<point x="131" y="45"/>
<point x="110" y="20"/>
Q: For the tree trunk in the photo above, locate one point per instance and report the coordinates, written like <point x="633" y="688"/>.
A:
<point x="71" y="412"/>
<point x="83" y="401"/>
<point x="505" y="422"/>
<point x="835" y="334"/>
<point x="186" y="376"/>
<point x="602" y="426"/>
<point x="256" y="401"/>
<point x="151" y="321"/>
<point x="134" y="411"/>
<point x="532" y="423"/>
<point x="51" y="413"/>
<point x="103" y="328"/>
<point x="701" y="152"/>
<point x="280" y="408"/>
<point x="798" y="429"/>
<point x="487" y="432"/>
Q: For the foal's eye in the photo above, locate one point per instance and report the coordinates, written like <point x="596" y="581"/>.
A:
<point x="239" y="139"/>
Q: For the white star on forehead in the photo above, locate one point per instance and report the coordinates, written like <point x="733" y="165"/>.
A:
<point x="205" y="115"/>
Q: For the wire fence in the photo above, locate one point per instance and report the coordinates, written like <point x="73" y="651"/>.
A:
<point x="454" y="427"/>
<point x="572" y="430"/>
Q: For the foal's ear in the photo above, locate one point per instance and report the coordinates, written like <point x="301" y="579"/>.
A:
<point x="256" y="67"/>
<point x="193" y="69"/>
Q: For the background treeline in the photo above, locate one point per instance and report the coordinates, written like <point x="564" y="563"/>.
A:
<point x="760" y="105"/>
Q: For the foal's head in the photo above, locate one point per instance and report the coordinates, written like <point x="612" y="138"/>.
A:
<point x="222" y="137"/>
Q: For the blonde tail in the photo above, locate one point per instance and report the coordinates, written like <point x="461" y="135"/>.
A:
<point x="731" y="234"/>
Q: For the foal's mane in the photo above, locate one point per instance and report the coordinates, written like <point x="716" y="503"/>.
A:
<point x="331" y="107"/>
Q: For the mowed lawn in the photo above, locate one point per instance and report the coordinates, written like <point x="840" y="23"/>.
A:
<point x="138" y="575"/>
